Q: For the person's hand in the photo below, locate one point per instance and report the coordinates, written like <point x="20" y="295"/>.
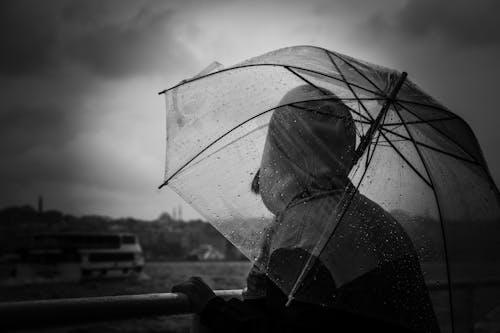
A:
<point x="256" y="284"/>
<point x="198" y="292"/>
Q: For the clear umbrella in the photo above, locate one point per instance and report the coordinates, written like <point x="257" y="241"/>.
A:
<point x="310" y="161"/>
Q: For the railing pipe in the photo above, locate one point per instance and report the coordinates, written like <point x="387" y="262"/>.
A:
<point x="70" y="311"/>
<point x="40" y="314"/>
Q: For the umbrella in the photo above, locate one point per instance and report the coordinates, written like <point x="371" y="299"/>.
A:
<point x="413" y="179"/>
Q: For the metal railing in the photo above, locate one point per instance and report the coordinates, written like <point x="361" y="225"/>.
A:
<point x="71" y="311"/>
<point x="39" y="314"/>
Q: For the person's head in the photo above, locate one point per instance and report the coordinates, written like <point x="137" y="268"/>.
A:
<point x="309" y="147"/>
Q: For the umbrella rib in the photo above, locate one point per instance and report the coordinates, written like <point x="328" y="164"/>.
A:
<point x="439" y="131"/>
<point x="263" y="65"/>
<point x="355" y="120"/>
<point x="229" y="143"/>
<point x="361" y="131"/>
<point x="395" y="140"/>
<point x="226" y="133"/>
<point x="367" y="162"/>
<point x="436" y="107"/>
<point x="368" y="148"/>
<point x="348" y="84"/>
<point x="406" y="160"/>
<point x="446" y="256"/>
<point x="367" y="121"/>
<point x="394" y="128"/>
<point x="357" y="70"/>
<point x="307" y="81"/>
<point x="373" y="151"/>
<point x="421" y="121"/>
<point x="431" y="147"/>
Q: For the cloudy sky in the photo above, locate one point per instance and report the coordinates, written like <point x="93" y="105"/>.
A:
<point x="81" y="121"/>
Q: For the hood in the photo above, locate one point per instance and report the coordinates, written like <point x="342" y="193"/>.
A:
<point x="309" y="147"/>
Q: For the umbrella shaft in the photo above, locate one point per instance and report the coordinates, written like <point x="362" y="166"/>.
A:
<point x="376" y="124"/>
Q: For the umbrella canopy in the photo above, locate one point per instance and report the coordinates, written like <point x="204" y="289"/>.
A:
<point x="311" y="161"/>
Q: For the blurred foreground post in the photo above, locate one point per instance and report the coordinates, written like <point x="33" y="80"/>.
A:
<point x="196" y="326"/>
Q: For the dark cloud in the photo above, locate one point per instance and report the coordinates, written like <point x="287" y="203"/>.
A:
<point x="125" y="43"/>
<point x="25" y="127"/>
<point x="109" y="38"/>
<point x="460" y="22"/>
<point x="28" y="37"/>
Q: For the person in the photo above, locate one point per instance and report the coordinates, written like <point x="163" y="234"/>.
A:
<point x="332" y="259"/>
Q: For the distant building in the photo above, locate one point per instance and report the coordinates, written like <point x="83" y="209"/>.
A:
<point x="206" y="252"/>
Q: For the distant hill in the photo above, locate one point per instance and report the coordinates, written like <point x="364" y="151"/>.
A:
<point x="164" y="238"/>
<point x="465" y="239"/>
